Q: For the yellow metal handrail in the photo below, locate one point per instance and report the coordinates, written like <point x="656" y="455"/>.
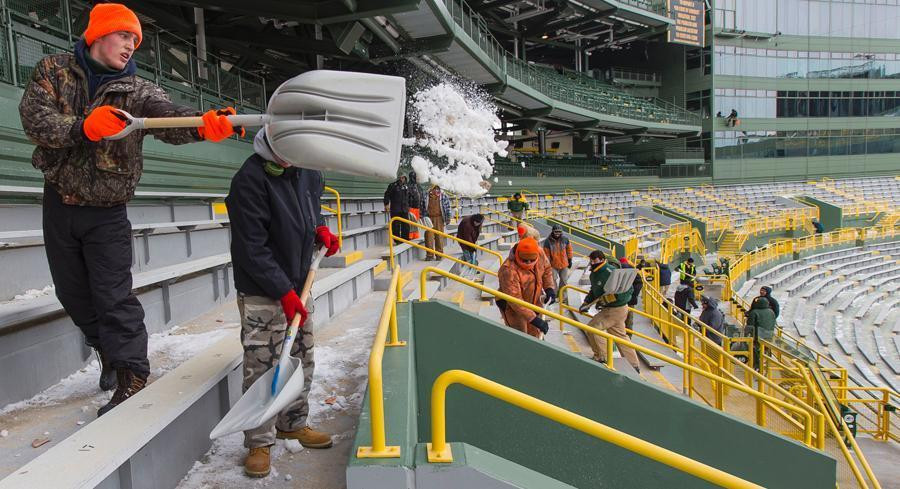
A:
<point x="337" y="212"/>
<point x="392" y="238"/>
<point x="388" y="321"/>
<point x="841" y="433"/>
<point x="802" y="412"/>
<point x="440" y="451"/>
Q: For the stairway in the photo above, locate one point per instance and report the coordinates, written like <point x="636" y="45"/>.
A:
<point x="730" y="245"/>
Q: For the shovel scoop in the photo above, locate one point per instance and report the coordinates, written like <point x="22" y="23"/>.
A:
<point x="324" y="120"/>
<point x="278" y="387"/>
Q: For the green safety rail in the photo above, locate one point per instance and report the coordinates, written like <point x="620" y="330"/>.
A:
<point x="569" y="87"/>
<point x="33" y="29"/>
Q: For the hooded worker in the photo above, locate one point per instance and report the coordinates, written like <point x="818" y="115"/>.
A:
<point x="766" y="292"/>
<point x="517" y="207"/>
<point x="416" y="201"/>
<point x="276" y="226"/>
<point x="524" y="276"/>
<point x="712" y="317"/>
<point x="559" y="251"/>
<point x="469" y="229"/>
<point x="72" y="102"/>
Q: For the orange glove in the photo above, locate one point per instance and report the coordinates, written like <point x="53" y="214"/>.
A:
<point x="216" y="125"/>
<point x="102" y="122"/>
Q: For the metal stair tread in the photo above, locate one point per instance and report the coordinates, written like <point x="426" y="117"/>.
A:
<point x="334" y="279"/>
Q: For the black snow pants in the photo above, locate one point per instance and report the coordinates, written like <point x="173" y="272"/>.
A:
<point x="89" y="253"/>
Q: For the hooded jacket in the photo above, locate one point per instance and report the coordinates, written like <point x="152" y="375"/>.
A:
<point x="416" y="199"/>
<point x="714" y="318"/>
<point x="665" y="275"/>
<point x="517" y="205"/>
<point x="527" y="285"/>
<point x="437" y="203"/>
<point x="469" y="230"/>
<point x="273" y="224"/>
<point x="53" y="108"/>
<point x="684" y="298"/>
<point x="762" y="318"/>
<point x="398" y="196"/>
<point x="558" y="251"/>
<point x="776" y="307"/>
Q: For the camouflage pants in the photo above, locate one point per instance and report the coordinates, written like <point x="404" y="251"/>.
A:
<point x="263" y="327"/>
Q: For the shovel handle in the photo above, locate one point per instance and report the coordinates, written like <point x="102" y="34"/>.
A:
<point x="294" y="327"/>
<point x="244" y="120"/>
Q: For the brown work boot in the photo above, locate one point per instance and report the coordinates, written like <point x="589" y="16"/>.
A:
<point x="308" y="437"/>
<point x="257" y="463"/>
<point x="129" y="384"/>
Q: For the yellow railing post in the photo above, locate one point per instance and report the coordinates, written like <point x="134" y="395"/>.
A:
<point x="392" y="238"/>
<point x="379" y="447"/>
<point x="337" y="211"/>
<point x="439" y="450"/>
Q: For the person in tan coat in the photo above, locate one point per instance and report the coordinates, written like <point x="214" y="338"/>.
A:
<point x="525" y="275"/>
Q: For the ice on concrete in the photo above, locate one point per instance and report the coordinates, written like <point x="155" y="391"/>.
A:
<point x="457" y="133"/>
<point x="166" y="350"/>
<point x="33" y="293"/>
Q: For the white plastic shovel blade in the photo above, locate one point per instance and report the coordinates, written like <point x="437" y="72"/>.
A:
<point x="348" y="122"/>
<point x="257" y="405"/>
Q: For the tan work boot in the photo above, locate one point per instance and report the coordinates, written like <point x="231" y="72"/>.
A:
<point x="257" y="463"/>
<point x="307" y="437"/>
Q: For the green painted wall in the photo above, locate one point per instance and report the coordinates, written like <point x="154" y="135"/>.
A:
<point x="830" y="215"/>
<point x="449" y="338"/>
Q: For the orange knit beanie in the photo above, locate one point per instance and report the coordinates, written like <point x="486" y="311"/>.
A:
<point x="107" y="18"/>
<point x="527" y="249"/>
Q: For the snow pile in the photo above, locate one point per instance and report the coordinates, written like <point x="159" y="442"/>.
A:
<point x="458" y="134"/>
<point x="34" y="293"/>
<point x="166" y="351"/>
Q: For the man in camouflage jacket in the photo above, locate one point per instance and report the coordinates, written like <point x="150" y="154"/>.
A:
<point x="70" y="105"/>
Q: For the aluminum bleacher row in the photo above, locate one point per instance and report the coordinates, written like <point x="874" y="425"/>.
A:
<point x="844" y="299"/>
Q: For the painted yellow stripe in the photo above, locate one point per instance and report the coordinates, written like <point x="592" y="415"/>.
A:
<point x="572" y="345"/>
<point x="381" y="267"/>
<point x="457" y="298"/>
<point x="662" y="378"/>
<point x="219" y="208"/>
<point x="353" y="257"/>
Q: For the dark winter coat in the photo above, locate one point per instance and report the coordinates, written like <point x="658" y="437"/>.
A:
<point x="714" y="318"/>
<point x="684" y="298"/>
<point x="416" y="198"/>
<point x="397" y="195"/>
<point x="517" y="205"/>
<point x="637" y="286"/>
<point x="273" y="227"/>
<point x="773" y="303"/>
<point x="469" y="230"/>
<point x="665" y="275"/>
<point x="53" y="108"/>
<point x="761" y="318"/>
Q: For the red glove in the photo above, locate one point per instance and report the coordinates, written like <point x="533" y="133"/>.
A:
<point x="292" y="306"/>
<point x="325" y="238"/>
<point x="216" y="126"/>
<point x="102" y="122"/>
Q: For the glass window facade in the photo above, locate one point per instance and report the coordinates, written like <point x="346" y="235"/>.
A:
<point x="786" y="144"/>
<point x="776" y="63"/>
<point x="876" y="19"/>
<point x="783" y="103"/>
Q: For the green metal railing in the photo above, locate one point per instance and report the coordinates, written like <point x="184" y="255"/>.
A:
<point x="572" y="88"/>
<point x="33" y="29"/>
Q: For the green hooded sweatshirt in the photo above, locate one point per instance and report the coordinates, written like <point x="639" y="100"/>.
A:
<point x="762" y="318"/>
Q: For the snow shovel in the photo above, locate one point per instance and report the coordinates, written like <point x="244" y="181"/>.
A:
<point x="275" y="389"/>
<point x="323" y="120"/>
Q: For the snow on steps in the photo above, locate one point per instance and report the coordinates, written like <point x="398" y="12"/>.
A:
<point x="165" y="425"/>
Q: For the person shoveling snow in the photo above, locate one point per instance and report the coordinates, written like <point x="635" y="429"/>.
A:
<point x="272" y="257"/>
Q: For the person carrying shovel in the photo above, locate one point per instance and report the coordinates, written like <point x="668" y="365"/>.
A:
<point x="276" y="226"/>
<point x="72" y="103"/>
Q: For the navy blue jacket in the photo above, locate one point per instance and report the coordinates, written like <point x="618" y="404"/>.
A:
<point x="273" y="227"/>
<point x="665" y="275"/>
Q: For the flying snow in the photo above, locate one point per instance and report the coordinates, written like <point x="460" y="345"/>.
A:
<point x="459" y="132"/>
